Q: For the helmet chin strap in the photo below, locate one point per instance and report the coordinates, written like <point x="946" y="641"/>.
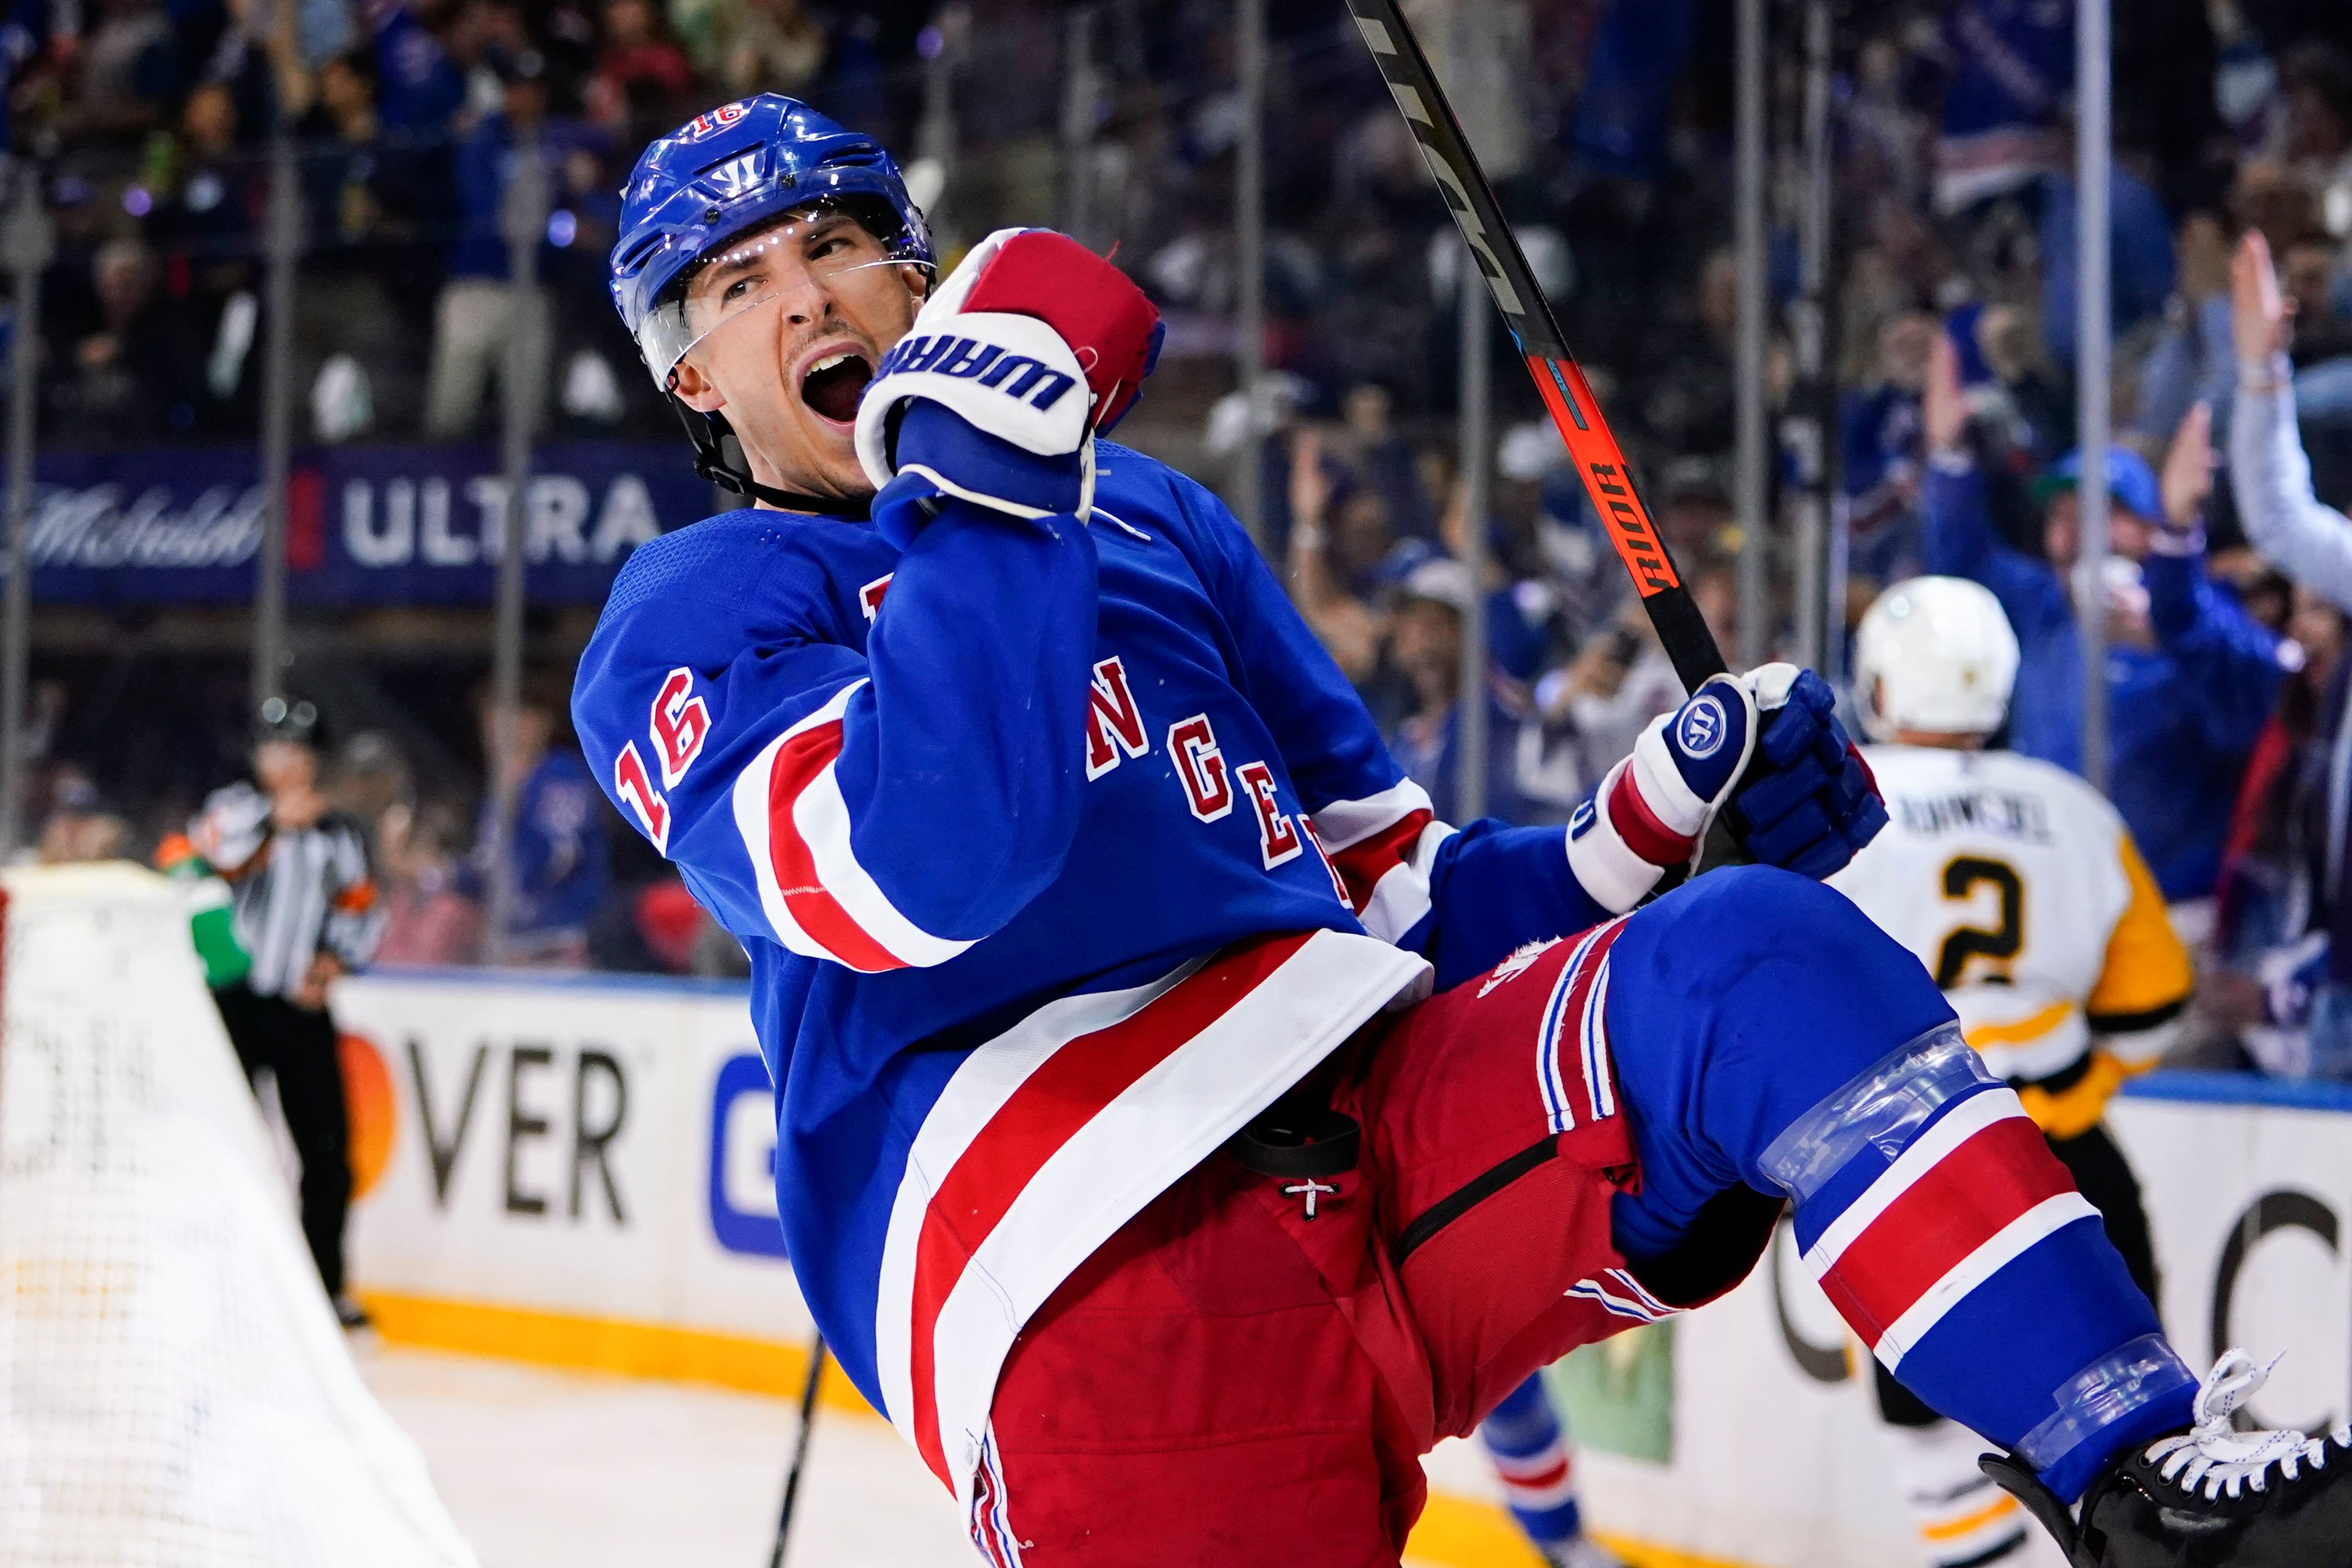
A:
<point x="707" y="431"/>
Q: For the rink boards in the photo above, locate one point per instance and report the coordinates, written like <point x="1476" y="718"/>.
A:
<point x="570" y="1170"/>
<point x="575" y="1170"/>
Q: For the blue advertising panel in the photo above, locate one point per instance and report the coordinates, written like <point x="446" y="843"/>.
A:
<point x="365" y="525"/>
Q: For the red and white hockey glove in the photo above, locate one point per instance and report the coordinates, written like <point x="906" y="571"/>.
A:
<point x="1653" y="809"/>
<point x="1027" y="349"/>
<point x="1769" y="746"/>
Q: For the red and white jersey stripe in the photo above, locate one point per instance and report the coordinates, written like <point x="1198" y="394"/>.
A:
<point x="1051" y="1136"/>
<point x="795" y="825"/>
<point x="1969" y="1195"/>
<point x="1382" y="847"/>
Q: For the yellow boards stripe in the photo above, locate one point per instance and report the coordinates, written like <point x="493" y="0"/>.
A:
<point x="1461" y="1532"/>
<point x="603" y="1344"/>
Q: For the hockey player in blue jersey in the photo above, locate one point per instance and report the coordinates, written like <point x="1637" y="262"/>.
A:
<point x="1124" y="1154"/>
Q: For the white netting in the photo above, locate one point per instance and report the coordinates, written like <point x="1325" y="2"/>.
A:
<point x="173" y="1388"/>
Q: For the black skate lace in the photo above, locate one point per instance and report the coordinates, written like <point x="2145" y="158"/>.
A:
<point x="2217" y="1457"/>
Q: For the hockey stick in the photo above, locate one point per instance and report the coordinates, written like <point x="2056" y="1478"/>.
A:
<point x="800" y="1449"/>
<point x="1671" y="610"/>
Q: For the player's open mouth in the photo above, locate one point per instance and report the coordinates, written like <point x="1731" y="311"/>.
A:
<point x="833" y="385"/>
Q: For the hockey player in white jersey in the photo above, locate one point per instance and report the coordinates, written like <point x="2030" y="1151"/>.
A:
<point x="2021" y="890"/>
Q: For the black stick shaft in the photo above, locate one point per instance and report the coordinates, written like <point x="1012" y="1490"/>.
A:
<point x="1599" y="462"/>
<point x="800" y="1449"/>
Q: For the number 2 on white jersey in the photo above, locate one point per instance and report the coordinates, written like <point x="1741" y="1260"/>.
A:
<point x="1998" y="944"/>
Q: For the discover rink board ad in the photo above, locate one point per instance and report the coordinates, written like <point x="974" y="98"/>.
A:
<point x="576" y="1171"/>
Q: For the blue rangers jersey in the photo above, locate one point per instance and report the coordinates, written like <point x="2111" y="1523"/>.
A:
<point x="1059" y="852"/>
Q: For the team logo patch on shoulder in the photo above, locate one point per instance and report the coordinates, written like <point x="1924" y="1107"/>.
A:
<point x="1701" y="729"/>
<point x="1521" y="959"/>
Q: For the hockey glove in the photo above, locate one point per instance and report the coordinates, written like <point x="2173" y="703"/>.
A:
<point x="1801" y="797"/>
<point x="1809" y="803"/>
<point x="1028" y="349"/>
<point x="1652" y="808"/>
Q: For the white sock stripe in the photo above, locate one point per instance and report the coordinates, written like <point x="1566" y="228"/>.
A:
<point x="2007" y="1244"/>
<point x="1520" y="1469"/>
<point x="1540" y="1500"/>
<point x="1925" y="1152"/>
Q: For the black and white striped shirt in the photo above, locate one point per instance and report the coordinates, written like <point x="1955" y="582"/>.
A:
<point x="298" y="891"/>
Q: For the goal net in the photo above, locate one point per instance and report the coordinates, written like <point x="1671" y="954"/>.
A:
<point x="173" y="1388"/>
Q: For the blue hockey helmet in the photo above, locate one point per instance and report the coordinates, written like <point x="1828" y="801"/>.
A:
<point x="726" y="171"/>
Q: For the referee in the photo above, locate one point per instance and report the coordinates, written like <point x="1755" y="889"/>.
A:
<point x="307" y="911"/>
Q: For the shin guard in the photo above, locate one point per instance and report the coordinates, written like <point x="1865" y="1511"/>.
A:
<point x="1935" y="1219"/>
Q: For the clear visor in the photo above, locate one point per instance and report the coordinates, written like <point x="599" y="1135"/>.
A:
<point x="727" y="284"/>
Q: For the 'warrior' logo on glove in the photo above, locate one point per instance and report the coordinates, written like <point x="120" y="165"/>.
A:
<point x="988" y="364"/>
<point x="1701" y="728"/>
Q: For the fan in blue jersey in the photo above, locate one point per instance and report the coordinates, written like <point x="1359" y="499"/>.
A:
<point x="1124" y="1154"/>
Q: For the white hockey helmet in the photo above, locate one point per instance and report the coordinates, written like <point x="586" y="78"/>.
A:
<point x="1934" y="653"/>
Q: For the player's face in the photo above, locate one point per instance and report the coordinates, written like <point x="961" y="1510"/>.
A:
<point x="789" y="323"/>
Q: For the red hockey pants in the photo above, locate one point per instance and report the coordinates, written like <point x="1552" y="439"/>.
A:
<point x="1247" y="1373"/>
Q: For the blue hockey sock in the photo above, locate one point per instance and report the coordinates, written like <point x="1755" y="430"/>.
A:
<point x="1524" y="1440"/>
<point x="1938" y="1222"/>
<point x="1758" y="1025"/>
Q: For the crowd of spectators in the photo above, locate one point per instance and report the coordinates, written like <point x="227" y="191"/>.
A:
<point x="150" y="124"/>
<point x="1954" y="328"/>
<point x="1956" y="331"/>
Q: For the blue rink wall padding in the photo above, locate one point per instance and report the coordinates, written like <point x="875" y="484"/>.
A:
<point x="2242" y="1088"/>
<point x="2199" y="1088"/>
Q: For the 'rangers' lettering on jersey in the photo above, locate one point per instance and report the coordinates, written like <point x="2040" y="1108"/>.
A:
<point x="1053" y="870"/>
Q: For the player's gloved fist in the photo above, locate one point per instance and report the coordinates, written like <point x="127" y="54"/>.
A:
<point x="1652" y="808"/>
<point x="1023" y="353"/>
<point x="1809" y="803"/>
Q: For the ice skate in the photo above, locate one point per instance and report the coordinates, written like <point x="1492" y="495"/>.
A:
<point x="2210" y="1495"/>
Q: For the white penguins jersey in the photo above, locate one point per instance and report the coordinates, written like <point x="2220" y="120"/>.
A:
<point x="2021" y="890"/>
